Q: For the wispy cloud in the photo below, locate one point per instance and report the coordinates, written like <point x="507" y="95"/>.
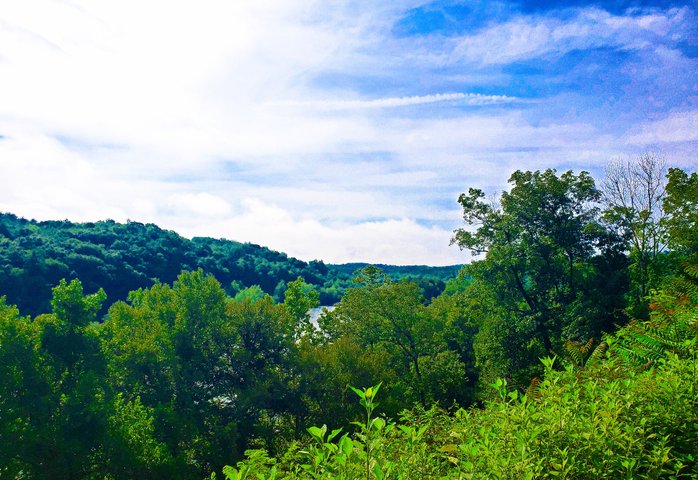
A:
<point x="534" y="36"/>
<point x="313" y="127"/>
<point x="676" y="127"/>
<point x="469" y="99"/>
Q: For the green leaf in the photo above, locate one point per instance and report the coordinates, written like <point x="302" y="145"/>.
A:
<point x="318" y="433"/>
<point x="333" y="434"/>
<point x="378" y="472"/>
<point x="346" y="445"/>
<point x="358" y="392"/>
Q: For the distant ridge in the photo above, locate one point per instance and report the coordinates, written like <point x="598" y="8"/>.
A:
<point x="401" y="270"/>
<point x="121" y="257"/>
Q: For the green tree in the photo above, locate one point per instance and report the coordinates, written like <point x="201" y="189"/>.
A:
<point x="681" y="208"/>
<point x="633" y="192"/>
<point x="538" y="276"/>
<point x="299" y="298"/>
<point x="391" y="317"/>
<point x="323" y="372"/>
<point x="70" y="347"/>
<point x="139" y="347"/>
<point x="253" y="382"/>
<point x="253" y="293"/>
<point x="131" y="448"/>
<point x="451" y="316"/>
<point x="25" y="394"/>
<point x="170" y="348"/>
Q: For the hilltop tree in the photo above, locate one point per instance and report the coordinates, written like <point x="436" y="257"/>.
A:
<point x="539" y="273"/>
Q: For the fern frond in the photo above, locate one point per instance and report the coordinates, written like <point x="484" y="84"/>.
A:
<point x="598" y="354"/>
<point x="578" y="352"/>
<point x="533" y="390"/>
<point x="691" y="269"/>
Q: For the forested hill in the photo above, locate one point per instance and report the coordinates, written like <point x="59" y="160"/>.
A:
<point x="35" y="256"/>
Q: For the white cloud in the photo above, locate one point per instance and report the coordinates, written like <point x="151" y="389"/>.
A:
<point x="527" y="37"/>
<point x="396" y="241"/>
<point x="180" y="114"/>
<point x="201" y="204"/>
<point x="676" y="127"/>
<point x="473" y="99"/>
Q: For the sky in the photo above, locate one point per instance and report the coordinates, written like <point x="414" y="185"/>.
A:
<point x="337" y="130"/>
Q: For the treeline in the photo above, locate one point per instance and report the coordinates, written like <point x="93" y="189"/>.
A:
<point x="182" y="379"/>
<point x="120" y="258"/>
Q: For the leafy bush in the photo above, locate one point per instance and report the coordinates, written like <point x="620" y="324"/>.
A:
<point x="605" y="421"/>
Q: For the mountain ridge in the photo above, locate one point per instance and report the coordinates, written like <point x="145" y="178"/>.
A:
<point x="120" y="257"/>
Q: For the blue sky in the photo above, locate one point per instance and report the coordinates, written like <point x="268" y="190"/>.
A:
<point x="337" y="130"/>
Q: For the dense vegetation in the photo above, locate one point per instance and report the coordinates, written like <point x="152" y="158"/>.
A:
<point x="120" y="258"/>
<point x="181" y="379"/>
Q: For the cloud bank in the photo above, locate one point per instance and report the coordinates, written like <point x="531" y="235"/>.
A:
<point x="341" y="130"/>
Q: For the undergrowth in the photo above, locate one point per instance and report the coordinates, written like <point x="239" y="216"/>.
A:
<point x="632" y="412"/>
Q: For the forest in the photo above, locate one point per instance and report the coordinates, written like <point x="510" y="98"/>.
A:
<point x="120" y="258"/>
<point x="567" y="348"/>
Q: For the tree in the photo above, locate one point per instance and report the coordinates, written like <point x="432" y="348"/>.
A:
<point x="448" y="313"/>
<point x="390" y="317"/>
<point x="253" y="293"/>
<point x="537" y="274"/>
<point x="168" y="350"/>
<point x="299" y="298"/>
<point x="386" y="314"/>
<point x="253" y="376"/>
<point x="131" y="448"/>
<point x="76" y="427"/>
<point x="633" y="192"/>
<point x="25" y="394"/>
<point x="681" y="208"/>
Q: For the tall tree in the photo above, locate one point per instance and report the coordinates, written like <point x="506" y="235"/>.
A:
<point x="25" y="395"/>
<point x="633" y="192"/>
<point x="681" y="208"/>
<point x="537" y="274"/>
<point x="77" y="424"/>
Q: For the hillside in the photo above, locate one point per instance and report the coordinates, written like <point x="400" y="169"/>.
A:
<point x="118" y="257"/>
<point x="185" y="378"/>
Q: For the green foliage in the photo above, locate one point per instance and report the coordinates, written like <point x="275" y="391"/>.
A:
<point x="582" y="354"/>
<point x="299" y="298"/>
<point x="181" y="379"/>
<point x="323" y="372"/>
<point x="131" y="449"/>
<point x="72" y="307"/>
<point x="35" y="256"/>
<point x="211" y="371"/>
<point x="610" y="422"/>
<point x="390" y="318"/>
<point x="545" y="277"/>
<point x="24" y="392"/>
<point x="253" y="293"/>
<point x="673" y="325"/>
<point x="681" y="206"/>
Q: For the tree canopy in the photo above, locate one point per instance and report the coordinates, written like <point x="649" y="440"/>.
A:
<point x="181" y="377"/>
<point x="547" y="261"/>
<point x="119" y="258"/>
